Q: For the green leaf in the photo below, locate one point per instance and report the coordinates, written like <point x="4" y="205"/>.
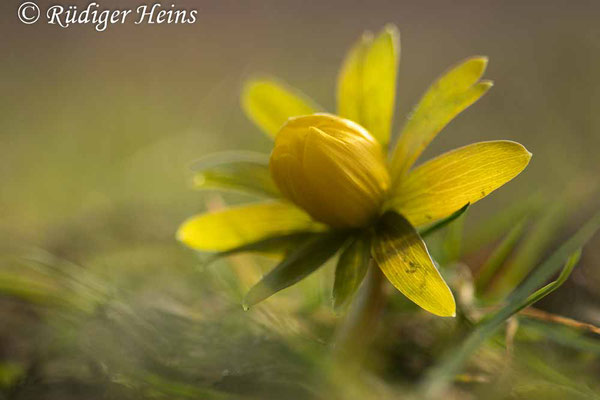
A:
<point x="403" y="258"/>
<point x="367" y="82"/>
<point x="239" y="171"/>
<point x="296" y="266"/>
<point x="442" y="223"/>
<point x="488" y="270"/>
<point x="452" y="93"/>
<point x="269" y="104"/>
<point x="350" y="270"/>
<point x="279" y="244"/>
<point x="438" y="378"/>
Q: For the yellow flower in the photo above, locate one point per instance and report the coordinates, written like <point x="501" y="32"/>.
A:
<point x="334" y="188"/>
<point x="332" y="168"/>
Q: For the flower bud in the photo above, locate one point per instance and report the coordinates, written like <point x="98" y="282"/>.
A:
<point x="332" y="168"/>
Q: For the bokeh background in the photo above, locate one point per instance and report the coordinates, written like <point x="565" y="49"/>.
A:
<point x="98" y="130"/>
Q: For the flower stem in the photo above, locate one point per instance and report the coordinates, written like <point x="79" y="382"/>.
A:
<point x="356" y="333"/>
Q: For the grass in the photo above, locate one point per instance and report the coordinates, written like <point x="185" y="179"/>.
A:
<point x="142" y="322"/>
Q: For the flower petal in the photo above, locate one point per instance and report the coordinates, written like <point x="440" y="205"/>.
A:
<point x="297" y="266"/>
<point x="242" y="171"/>
<point x="269" y="104"/>
<point x="403" y="258"/>
<point x="226" y="229"/>
<point x="367" y="82"/>
<point x="441" y="186"/>
<point x="452" y="93"/>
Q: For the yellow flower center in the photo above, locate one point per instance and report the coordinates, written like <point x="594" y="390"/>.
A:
<point x="332" y="168"/>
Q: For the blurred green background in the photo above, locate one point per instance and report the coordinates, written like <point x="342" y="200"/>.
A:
<point x="98" y="129"/>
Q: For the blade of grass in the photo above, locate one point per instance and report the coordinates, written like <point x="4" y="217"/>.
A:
<point x="453" y="240"/>
<point x="549" y="288"/>
<point x="529" y="253"/>
<point x="439" y="377"/>
<point x="552" y="286"/>
<point x="499" y="256"/>
<point x="29" y="290"/>
<point x="493" y="228"/>
<point x="564" y="335"/>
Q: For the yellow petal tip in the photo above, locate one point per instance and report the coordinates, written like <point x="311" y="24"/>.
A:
<point x="449" y="310"/>
<point x="450" y="313"/>
<point x="446" y="314"/>
<point x="392" y="30"/>
<point x="476" y="64"/>
<point x="246" y="92"/>
<point x="198" y="180"/>
<point x="269" y="103"/>
<point x="483" y="60"/>
<point x="526" y="152"/>
<point x="180" y="235"/>
<point x="366" y="37"/>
